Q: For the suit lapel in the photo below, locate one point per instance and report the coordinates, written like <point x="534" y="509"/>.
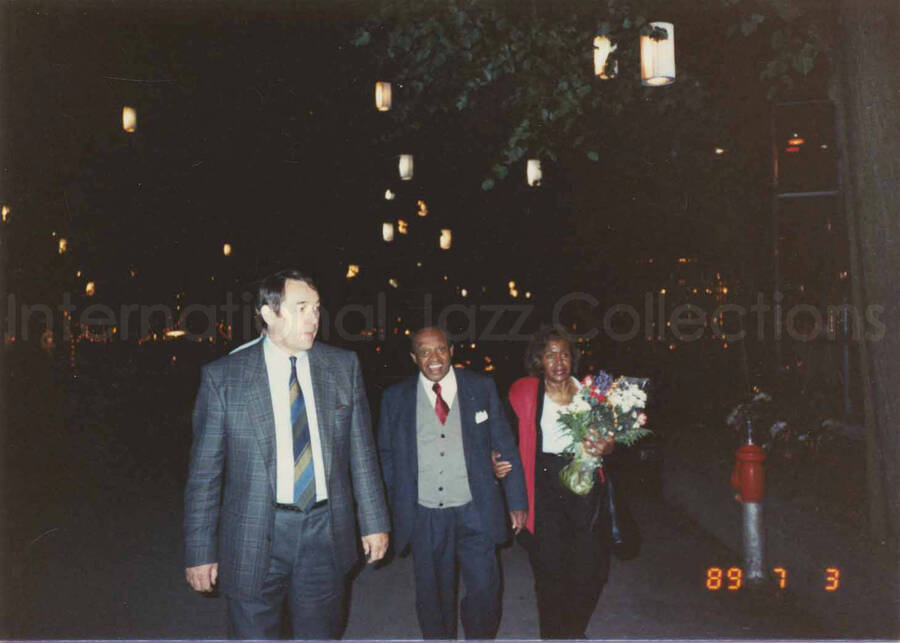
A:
<point x="259" y="406"/>
<point x="323" y="389"/>
<point x="410" y="399"/>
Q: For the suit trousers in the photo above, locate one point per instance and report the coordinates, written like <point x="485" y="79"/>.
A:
<point x="569" y="553"/>
<point x="441" y="539"/>
<point x="302" y="576"/>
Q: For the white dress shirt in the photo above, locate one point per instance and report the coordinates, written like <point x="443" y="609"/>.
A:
<point x="555" y="439"/>
<point x="448" y="388"/>
<point x="278" y="366"/>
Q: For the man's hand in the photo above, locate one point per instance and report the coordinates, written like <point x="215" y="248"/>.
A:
<point x="202" y="577"/>
<point x="518" y="519"/>
<point x="375" y="546"/>
<point x="501" y="467"/>
<point x="597" y="445"/>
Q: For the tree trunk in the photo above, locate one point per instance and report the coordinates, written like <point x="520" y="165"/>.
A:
<point x="864" y="89"/>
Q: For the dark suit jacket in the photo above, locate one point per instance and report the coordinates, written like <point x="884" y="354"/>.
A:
<point x="399" y="454"/>
<point x="230" y="493"/>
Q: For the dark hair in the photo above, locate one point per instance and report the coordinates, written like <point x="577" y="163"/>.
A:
<point x="415" y="335"/>
<point x="271" y="290"/>
<point x="538" y="343"/>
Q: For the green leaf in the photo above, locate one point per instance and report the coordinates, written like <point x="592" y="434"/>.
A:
<point x="487" y="184"/>
<point x="593" y="156"/>
<point x="363" y="38"/>
<point x="500" y="170"/>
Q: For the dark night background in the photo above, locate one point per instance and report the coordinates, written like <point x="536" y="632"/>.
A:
<point x="256" y="127"/>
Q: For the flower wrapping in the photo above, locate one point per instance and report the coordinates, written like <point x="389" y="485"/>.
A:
<point x="603" y="407"/>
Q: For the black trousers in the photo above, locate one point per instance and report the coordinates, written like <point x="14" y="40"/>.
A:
<point x="301" y="576"/>
<point x="442" y="540"/>
<point x="569" y="552"/>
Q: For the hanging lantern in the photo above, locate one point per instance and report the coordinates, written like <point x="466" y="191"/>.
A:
<point x="387" y="231"/>
<point x="406" y="167"/>
<point x="226" y="249"/>
<point x="129" y="119"/>
<point x="603" y="66"/>
<point x="533" y="172"/>
<point x="388" y="195"/>
<point x="402" y="226"/>
<point x="382" y="96"/>
<point x="352" y="270"/>
<point x="423" y="208"/>
<point x="446" y="238"/>
<point x="63" y="245"/>
<point x="4" y="211"/>
<point x="658" y="57"/>
<point x="89" y="289"/>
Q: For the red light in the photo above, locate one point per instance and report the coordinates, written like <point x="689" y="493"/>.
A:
<point x="792" y="150"/>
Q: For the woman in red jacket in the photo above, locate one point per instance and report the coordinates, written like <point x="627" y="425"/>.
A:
<point x="567" y="535"/>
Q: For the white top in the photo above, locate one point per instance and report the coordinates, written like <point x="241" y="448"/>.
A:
<point x="278" y="366"/>
<point x="448" y="388"/>
<point x="555" y="439"/>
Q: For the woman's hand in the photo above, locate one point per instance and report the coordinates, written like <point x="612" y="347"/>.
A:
<point x="597" y="445"/>
<point x="501" y="467"/>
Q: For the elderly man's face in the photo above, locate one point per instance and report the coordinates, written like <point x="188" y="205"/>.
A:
<point x="432" y="354"/>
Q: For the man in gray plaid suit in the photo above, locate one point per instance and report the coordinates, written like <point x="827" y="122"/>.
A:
<point x="282" y="455"/>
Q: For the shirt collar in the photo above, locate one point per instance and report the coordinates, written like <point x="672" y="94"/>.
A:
<point x="280" y="357"/>
<point x="448" y="383"/>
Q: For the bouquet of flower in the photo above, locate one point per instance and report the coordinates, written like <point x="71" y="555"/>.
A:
<point x="603" y="407"/>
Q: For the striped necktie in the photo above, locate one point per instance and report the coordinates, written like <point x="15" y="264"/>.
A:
<point x="304" y="471"/>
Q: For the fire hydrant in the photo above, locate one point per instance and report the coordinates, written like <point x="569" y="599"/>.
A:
<point x="749" y="481"/>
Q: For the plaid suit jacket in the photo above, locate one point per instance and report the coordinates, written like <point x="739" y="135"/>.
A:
<point x="230" y="493"/>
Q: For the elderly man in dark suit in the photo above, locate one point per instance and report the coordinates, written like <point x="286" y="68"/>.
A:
<point x="282" y="452"/>
<point x="435" y="436"/>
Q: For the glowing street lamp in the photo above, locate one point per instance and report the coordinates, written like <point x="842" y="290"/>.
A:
<point x="226" y="249"/>
<point x="387" y="231"/>
<point x="658" y="57"/>
<point x="90" y="289"/>
<point x="4" y="212"/>
<point x="446" y="239"/>
<point x="129" y="119"/>
<point x="63" y="245"/>
<point x="406" y="167"/>
<point x="533" y="172"/>
<point x="603" y="67"/>
<point x="382" y="96"/>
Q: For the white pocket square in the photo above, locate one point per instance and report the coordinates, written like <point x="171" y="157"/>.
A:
<point x="480" y="417"/>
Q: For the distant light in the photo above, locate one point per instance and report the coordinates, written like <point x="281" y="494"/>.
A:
<point x="78" y="274"/>
<point x="513" y="292"/>
<point x="387" y="231"/>
<point x="352" y="270"/>
<point x="389" y="195"/>
<point x="129" y="119"/>
<point x="472" y="346"/>
<point x="418" y="264"/>
<point x="406" y="167"/>
<point x="446" y="240"/>
<point x="662" y="291"/>
<point x="90" y="289"/>
<point x="527" y="294"/>
<point x="226" y="249"/>
<point x="4" y="212"/>
<point x="132" y="272"/>
<point x="175" y="332"/>
<point x="63" y="245"/>
<point x="792" y="150"/>
<point x="445" y="278"/>
<point x="423" y="208"/>
<point x="511" y="284"/>
<point x="464" y="292"/>
<point x="393" y="283"/>
<point x="407" y="332"/>
<point x="533" y="172"/>
<point x="382" y="96"/>
<point x="402" y="226"/>
<point x="603" y="67"/>
<point x="796" y="140"/>
<point x="720" y="151"/>
<point x="658" y="57"/>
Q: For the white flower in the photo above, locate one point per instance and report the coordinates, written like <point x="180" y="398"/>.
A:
<point x="626" y="397"/>
<point x="579" y="404"/>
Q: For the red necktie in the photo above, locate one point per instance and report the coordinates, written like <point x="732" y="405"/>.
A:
<point x="440" y="406"/>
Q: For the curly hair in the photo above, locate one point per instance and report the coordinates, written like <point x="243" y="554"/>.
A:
<point x="546" y="333"/>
